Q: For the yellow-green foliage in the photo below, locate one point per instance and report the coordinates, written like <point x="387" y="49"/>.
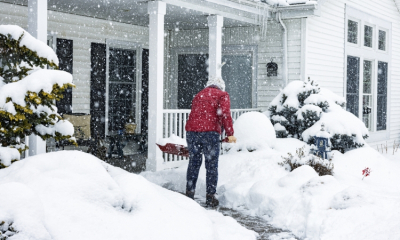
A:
<point x="16" y="126"/>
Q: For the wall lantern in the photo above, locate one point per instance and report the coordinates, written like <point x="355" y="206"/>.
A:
<point x="322" y="143"/>
<point x="366" y="110"/>
<point x="272" y="69"/>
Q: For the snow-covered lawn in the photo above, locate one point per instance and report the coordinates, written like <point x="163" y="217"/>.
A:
<point x="73" y="195"/>
<point x="342" y="206"/>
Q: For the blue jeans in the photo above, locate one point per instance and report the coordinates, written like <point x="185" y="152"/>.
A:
<point x="206" y="143"/>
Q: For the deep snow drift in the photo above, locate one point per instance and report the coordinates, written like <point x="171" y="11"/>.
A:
<point x="342" y="206"/>
<point x="73" y="195"/>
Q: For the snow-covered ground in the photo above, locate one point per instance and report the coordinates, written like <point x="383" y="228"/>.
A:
<point x="73" y="195"/>
<point x="342" y="206"/>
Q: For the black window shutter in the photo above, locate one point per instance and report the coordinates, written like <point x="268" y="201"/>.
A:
<point x="353" y="84"/>
<point x="65" y="56"/>
<point x="382" y="96"/>
<point x="145" y="91"/>
<point x="97" y="89"/>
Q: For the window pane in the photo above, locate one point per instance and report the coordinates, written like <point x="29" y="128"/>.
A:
<point x="352" y="32"/>
<point x="367" y="94"/>
<point x="367" y="110"/>
<point x="382" y="96"/>
<point x="367" y="77"/>
<point x="122" y="65"/>
<point x="382" y="40"/>
<point x="368" y="36"/>
<point x="353" y="82"/>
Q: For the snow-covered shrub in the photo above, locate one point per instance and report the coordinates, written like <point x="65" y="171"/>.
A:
<point x="6" y="230"/>
<point x="28" y="90"/>
<point x="8" y="156"/>
<point x="253" y="131"/>
<point x="320" y="165"/>
<point x="301" y="108"/>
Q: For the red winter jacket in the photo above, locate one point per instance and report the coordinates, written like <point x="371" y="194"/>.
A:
<point x="210" y="109"/>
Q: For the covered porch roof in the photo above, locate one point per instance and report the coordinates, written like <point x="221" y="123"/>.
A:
<point x="182" y="14"/>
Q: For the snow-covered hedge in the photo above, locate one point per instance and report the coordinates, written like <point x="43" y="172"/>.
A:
<point x="28" y="91"/>
<point x="303" y="157"/>
<point x="300" y="109"/>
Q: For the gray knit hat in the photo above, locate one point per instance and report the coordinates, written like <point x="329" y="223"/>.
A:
<point x="216" y="81"/>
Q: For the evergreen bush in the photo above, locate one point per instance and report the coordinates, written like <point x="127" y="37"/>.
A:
<point x="300" y="109"/>
<point x="28" y="91"/>
<point x="320" y="165"/>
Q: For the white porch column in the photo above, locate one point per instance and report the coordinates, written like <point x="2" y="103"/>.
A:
<point x="215" y="23"/>
<point x="37" y="27"/>
<point x="156" y="12"/>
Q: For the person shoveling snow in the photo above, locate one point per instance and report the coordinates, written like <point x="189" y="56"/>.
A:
<point x="210" y="112"/>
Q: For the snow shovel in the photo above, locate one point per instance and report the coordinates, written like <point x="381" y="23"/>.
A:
<point x="177" y="149"/>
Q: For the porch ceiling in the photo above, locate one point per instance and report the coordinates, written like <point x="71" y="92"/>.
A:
<point x="135" y="12"/>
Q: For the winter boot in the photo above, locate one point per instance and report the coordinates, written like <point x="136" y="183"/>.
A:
<point x="190" y="194"/>
<point x="211" y="201"/>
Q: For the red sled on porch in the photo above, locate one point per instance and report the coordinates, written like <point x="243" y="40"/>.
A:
<point x="174" y="149"/>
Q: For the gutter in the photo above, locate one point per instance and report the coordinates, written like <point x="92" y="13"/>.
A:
<point x="285" y="49"/>
<point x="297" y="7"/>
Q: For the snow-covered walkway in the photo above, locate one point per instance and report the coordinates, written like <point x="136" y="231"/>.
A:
<point x="257" y="224"/>
<point x="343" y="206"/>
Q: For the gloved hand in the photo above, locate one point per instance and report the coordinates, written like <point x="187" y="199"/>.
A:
<point x="231" y="139"/>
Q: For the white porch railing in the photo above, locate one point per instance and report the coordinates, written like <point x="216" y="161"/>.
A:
<point x="175" y="122"/>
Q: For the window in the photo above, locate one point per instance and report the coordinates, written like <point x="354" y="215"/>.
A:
<point x="382" y="96"/>
<point x="367" y="64"/>
<point x="122" y="88"/>
<point x="352" y="31"/>
<point x="368" y="36"/>
<point x="382" y="40"/>
<point x="353" y="82"/>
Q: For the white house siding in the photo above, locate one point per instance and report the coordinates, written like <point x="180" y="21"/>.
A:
<point x="83" y="31"/>
<point x="325" y="51"/>
<point x="268" y="47"/>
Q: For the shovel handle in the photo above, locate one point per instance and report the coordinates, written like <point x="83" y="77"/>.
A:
<point x="226" y="140"/>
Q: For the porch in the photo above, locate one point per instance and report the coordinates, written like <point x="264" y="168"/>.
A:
<point x="168" y="40"/>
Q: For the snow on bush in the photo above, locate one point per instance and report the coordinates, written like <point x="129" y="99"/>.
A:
<point x="301" y="108"/>
<point x="8" y="156"/>
<point x="73" y="195"/>
<point x="304" y="157"/>
<point x="253" y="131"/>
<point x="28" y="90"/>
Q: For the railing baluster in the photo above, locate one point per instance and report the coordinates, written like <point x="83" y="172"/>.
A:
<point x="175" y="123"/>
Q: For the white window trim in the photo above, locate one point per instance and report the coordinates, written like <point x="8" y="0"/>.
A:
<point x="112" y="43"/>
<point x="371" y="54"/>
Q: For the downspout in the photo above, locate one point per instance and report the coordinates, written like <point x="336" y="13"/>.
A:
<point x="285" y="49"/>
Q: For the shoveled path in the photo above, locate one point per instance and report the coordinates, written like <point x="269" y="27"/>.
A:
<point x="257" y="224"/>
